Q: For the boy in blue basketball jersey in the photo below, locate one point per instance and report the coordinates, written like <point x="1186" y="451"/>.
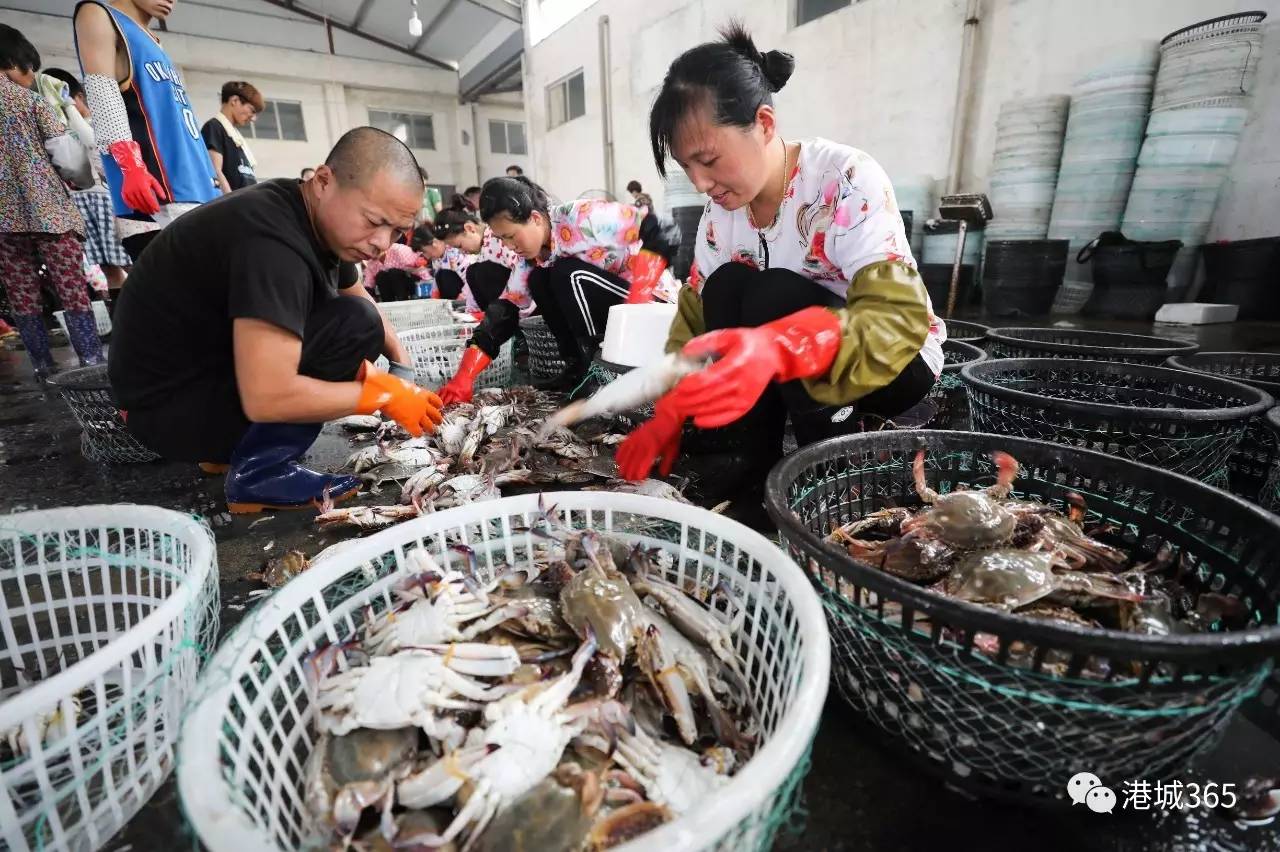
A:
<point x="155" y="160"/>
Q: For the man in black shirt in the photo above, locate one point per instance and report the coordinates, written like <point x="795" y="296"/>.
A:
<point x="244" y="326"/>
<point x="232" y="160"/>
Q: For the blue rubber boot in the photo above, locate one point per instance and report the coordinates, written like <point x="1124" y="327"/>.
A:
<point x="265" y="473"/>
<point x="36" y="340"/>
<point x="82" y="328"/>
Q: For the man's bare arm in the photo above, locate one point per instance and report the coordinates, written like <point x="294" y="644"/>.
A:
<point x="271" y="391"/>
<point x="96" y="41"/>
<point x="215" y="157"/>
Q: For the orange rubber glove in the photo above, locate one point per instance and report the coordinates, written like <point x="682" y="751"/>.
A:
<point x="657" y="439"/>
<point x="461" y="387"/>
<point x="416" y="409"/>
<point x="646" y="270"/>
<point x="800" y="346"/>
<point x="141" y="190"/>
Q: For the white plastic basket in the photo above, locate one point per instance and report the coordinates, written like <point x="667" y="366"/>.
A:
<point x="100" y="318"/>
<point x="246" y="742"/>
<point x="417" y="313"/>
<point x="437" y="350"/>
<point x="113" y="608"/>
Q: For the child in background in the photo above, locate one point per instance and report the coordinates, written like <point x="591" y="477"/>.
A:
<point x="394" y="277"/>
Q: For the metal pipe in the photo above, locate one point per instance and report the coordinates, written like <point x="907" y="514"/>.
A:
<point x="606" y="103"/>
<point x="964" y="97"/>
<point x="955" y="269"/>
<point x="475" y="140"/>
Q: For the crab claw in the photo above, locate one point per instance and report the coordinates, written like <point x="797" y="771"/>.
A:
<point x="1076" y="508"/>
<point x="1006" y="473"/>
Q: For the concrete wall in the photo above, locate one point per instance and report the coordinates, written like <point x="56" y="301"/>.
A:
<point x="336" y="94"/>
<point x="880" y="75"/>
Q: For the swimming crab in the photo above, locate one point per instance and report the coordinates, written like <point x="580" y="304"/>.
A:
<point x="524" y="736"/>
<point x="348" y="773"/>
<point x="414" y="687"/>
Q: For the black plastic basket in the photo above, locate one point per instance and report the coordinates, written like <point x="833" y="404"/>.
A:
<point x="1250" y="465"/>
<point x="1087" y="345"/>
<point x="1269" y="496"/>
<point x="1179" y="421"/>
<point x="1021" y="277"/>
<point x="966" y="332"/>
<point x="545" y="361"/>
<point x="950" y="393"/>
<point x="1008" y="706"/>
<point x="1128" y="276"/>
<point x="104" y="437"/>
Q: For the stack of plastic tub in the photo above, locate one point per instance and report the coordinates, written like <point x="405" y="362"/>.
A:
<point x="1198" y="111"/>
<point x="1100" y="152"/>
<point x="1024" y="172"/>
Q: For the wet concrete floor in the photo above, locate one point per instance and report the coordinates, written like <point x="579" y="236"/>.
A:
<point x="859" y="794"/>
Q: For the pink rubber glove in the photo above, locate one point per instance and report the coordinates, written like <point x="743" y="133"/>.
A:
<point x="657" y="439"/>
<point x="799" y="346"/>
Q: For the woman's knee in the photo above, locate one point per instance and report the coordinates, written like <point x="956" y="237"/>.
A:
<point x="777" y="293"/>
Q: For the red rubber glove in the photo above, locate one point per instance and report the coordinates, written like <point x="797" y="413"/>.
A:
<point x="657" y="439"/>
<point x="414" y="408"/>
<point x="141" y="191"/>
<point x="799" y="346"/>
<point x="646" y="270"/>
<point x="461" y="387"/>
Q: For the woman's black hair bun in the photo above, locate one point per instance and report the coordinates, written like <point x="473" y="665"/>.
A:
<point x="775" y="65"/>
<point x="777" y="68"/>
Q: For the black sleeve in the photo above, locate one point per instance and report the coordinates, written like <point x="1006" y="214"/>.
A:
<point x="660" y="236"/>
<point x="269" y="281"/>
<point x="348" y="275"/>
<point x="215" y="136"/>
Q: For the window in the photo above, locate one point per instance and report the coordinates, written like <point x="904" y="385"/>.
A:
<point x="278" y="120"/>
<point x="506" y="137"/>
<point x="810" y="10"/>
<point x="566" y="100"/>
<point x="412" y="128"/>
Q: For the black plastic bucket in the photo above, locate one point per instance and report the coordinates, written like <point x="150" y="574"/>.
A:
<point x="1128" y="276"/>
<point x="1244" y="273"/>
<point x="1021" y="277"/>
<point x="937" y="280"/>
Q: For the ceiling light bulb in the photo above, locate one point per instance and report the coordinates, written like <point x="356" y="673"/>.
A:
<point x="415" y="25"/>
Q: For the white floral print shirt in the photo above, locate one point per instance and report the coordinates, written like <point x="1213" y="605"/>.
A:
<point x="838" y="216"/>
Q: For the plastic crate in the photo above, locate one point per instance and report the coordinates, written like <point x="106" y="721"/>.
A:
<point x="104" y="437"/>
<point x="416" y="313"/>
<point x="436" y="352"/>
<point x="545" y="361"/>
<point x="1087" y="345"/>
<point x="1176" y="420"/>
<point x="110" y="611"/>
<point x="246" y="741"/>
<point x="1010" y="707"/>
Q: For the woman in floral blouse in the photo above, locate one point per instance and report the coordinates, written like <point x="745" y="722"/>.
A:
<point x="577" y="260"/>
<point x="804" y="289"/>
<point x="490" y="263"/>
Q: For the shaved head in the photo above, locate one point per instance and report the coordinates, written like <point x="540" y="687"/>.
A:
<point x="365" y="152"/>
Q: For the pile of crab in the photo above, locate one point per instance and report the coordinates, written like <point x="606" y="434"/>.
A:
<point x="573" y="703"/>
<point x="507" y="438"/>
<point x="990" y="549"/>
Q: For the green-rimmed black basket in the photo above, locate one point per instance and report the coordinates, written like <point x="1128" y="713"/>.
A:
<point x="104" y="438"/>
<point x="1185" y="422"/>
<point x="1269" y="496"/>
<point x="950" y="394"/>
<point x="966" y="332"/>
<point x="1081" y="344"/>
<point x="1010" y="707"/>
<point x="545" y="360"/>
<point x="1250" y="465"/>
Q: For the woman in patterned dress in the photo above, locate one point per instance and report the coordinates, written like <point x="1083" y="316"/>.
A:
<point x="38" y="222"/>
<point x="803" y="286"/>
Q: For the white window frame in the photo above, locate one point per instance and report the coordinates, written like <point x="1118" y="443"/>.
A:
<point x="506" y="125"/>
<point x="270" y="103"/>
<point x="563" y="83"/>
<point x="394" y="111"/>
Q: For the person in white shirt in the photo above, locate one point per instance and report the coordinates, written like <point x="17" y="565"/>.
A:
<point x="803" y="286"/>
